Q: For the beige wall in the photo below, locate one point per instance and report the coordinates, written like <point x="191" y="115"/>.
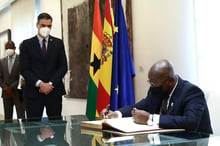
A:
<point x="5" y="19"/>
<point x="22" y="20"/>
<point x="161" y="29"/>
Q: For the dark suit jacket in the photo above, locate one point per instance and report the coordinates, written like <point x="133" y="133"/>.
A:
<point x="7" y="79"/>
<point x="188" y="108"/>
<point x="35" y="67"/>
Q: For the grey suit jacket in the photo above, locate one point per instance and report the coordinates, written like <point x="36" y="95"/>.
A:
<point x="7" y="79"/>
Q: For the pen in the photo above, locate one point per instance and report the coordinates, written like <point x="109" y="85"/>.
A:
<point x="107" y="109"/>
<point x="133" y="110"/>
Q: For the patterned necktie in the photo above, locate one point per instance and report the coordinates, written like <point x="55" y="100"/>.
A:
<point x="10" y="64"/>
<point x="44" y="51"/>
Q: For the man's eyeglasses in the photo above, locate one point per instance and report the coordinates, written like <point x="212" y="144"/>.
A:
<point x="154" y="84"/>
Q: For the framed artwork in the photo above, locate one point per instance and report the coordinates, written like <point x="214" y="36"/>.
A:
<point x="4" y="37"/>
<point x="77" y="28"/>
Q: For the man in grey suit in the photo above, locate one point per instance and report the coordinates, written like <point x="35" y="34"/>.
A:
<point x="9" y="78"/>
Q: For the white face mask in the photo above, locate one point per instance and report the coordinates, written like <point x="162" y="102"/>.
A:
<point x="10" y="52"/>
<point x="44" y="31"/>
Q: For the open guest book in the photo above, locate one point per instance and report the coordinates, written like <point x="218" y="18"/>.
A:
<point x="124" y="126"/>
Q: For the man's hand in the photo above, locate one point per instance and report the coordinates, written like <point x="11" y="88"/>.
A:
<point x="140" y="116"/>
<point x="110" y="114"/>
<point x="46" y="132"/>
<point x="45" y="88"/>
<point x="9" y="91"/>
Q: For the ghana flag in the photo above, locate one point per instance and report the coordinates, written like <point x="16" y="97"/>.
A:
<point x="95" y="57"/>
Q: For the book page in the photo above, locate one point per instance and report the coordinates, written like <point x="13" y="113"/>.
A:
<point x="92" y="124"/>
<point x="123" y="126"/>
<point x="126" y="125"/>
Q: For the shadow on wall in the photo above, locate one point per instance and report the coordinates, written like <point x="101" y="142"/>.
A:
<point x="213" y="102"/>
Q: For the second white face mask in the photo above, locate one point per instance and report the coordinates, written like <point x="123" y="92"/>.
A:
<point x="44" y="31"/>
<point x="10" y="52"/>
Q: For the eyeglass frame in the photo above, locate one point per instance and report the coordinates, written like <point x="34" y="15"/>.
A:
<point x="152" y="84"/>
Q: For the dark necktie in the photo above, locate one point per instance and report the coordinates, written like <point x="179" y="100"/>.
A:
<point x="163" y="108"/>
<point x="44" y="51"/>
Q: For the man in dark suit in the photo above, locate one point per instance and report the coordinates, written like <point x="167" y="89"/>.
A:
<point x="43" y="66"/>
<point x="171" y="102"/>
<point x="9" y="77"/>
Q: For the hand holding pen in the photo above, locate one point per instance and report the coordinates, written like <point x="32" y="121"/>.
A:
<point x="107" y="110"/>
<point x="108" y="114"/>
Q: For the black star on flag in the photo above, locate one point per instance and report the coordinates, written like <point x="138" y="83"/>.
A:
<point x="95" y="64"/>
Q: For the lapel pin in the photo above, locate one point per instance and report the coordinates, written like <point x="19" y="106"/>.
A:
<point x="171" y="104"/>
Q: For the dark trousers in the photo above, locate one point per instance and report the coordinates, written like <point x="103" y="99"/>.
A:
<point x="9" y="103"/>
<point x="35" y="107"/>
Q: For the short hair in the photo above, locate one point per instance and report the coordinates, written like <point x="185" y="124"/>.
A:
<point x="10" y="42"/>
<point x="44" y="16"/>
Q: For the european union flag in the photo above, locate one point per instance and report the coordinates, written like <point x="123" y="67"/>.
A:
<point x="122" y="90"/>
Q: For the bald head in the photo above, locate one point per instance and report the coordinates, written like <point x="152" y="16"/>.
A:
<point x="160" y="71"/>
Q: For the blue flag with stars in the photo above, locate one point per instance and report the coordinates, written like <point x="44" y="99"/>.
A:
<point x="122" y="90"/>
